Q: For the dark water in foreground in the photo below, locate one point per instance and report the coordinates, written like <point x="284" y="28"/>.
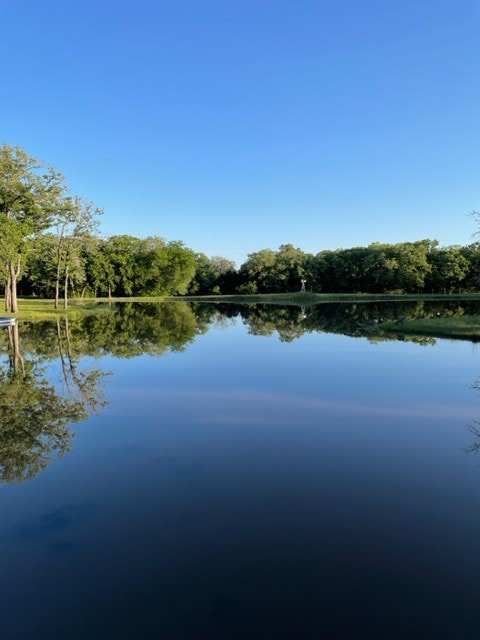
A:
<point x="225" y="483"/>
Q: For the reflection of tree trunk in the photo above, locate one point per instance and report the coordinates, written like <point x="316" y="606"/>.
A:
<point x="69" y="344"/>
<point x="18" y="353"/>
<point x="71" y="361"/>
<point x="11" y="357"/>
<point x="69" y="367"/>
<point x="62" y="357"/>
<point x="17" y="362"/>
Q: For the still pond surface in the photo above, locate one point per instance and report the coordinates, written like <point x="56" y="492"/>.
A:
<point x="190" y="472"/>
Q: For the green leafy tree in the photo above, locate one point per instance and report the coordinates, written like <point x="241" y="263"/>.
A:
<point x="76" y="220"/>
<point x="99" y="268"/>
<point x="413" y="266"/>
<point x="449" y="267"/>
<point x="168" y="268"/>
<point x="28" y="200"/>
<point x="471" y="253"/>
<point x="377" y="268"/>
<point x="340" y="271"/>
<point x="290" y="268"/>
<point x="204" y="278"/>
<point x="258" y="272"/>
<point x="40" y="271"/>
<point x="124" y="254"/>
<point x="215" y="273"/>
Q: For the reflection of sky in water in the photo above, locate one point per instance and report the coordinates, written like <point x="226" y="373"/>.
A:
<point x="256" y="489"/>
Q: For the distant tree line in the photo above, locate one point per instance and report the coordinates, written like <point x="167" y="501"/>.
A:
<point x="119" y="266"/>
<point x="50" y="247"/>
<point x="407" y="267"/>
<point x="123" y="266"/>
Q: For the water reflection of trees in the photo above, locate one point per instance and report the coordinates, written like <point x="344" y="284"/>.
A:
<point x="35" y="418"/>
<point x="353" y="319"/>
<point x="36" y="413"/>
<point x="125" y="331"/>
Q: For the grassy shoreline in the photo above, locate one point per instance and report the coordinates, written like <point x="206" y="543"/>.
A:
<point x="43" y="309"/>
<point x="46" y="305"/>
<point x="34" y="307"/>
<point x="466" y="327"/>
<point x="309" y="299"/>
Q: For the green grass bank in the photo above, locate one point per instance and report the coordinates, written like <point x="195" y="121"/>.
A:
<point x="467" y="327"/>
<point x="308" y="299"/>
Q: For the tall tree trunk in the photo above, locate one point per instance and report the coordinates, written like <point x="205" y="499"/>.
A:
<point x="65" y="292"/>
<point x="13" y="288"/>
<point x="57" y="279"/>
<point x="72" y="287"/>
<point x="57" y="292"/>
<point x="59" y="265"/>
<point x="8" y="294"/>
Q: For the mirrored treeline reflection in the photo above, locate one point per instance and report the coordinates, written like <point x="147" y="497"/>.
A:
<point x="36" y="413"/>
<point x="126" y="330"/>
<point x="351" y="319"/>
<point x="35" y="417"/>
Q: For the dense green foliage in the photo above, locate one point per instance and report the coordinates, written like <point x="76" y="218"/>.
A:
<point x="407" y="267"/>
<point x="118" y="266"/>
<point x="127" y="266"/>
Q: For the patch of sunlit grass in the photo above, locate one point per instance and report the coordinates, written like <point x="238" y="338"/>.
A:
<point x="449" y="326"/>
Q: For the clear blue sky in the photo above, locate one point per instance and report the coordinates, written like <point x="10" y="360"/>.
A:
<point x="236" y="125"/>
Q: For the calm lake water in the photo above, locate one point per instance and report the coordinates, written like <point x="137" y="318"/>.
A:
<point x="190" y="472"/>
